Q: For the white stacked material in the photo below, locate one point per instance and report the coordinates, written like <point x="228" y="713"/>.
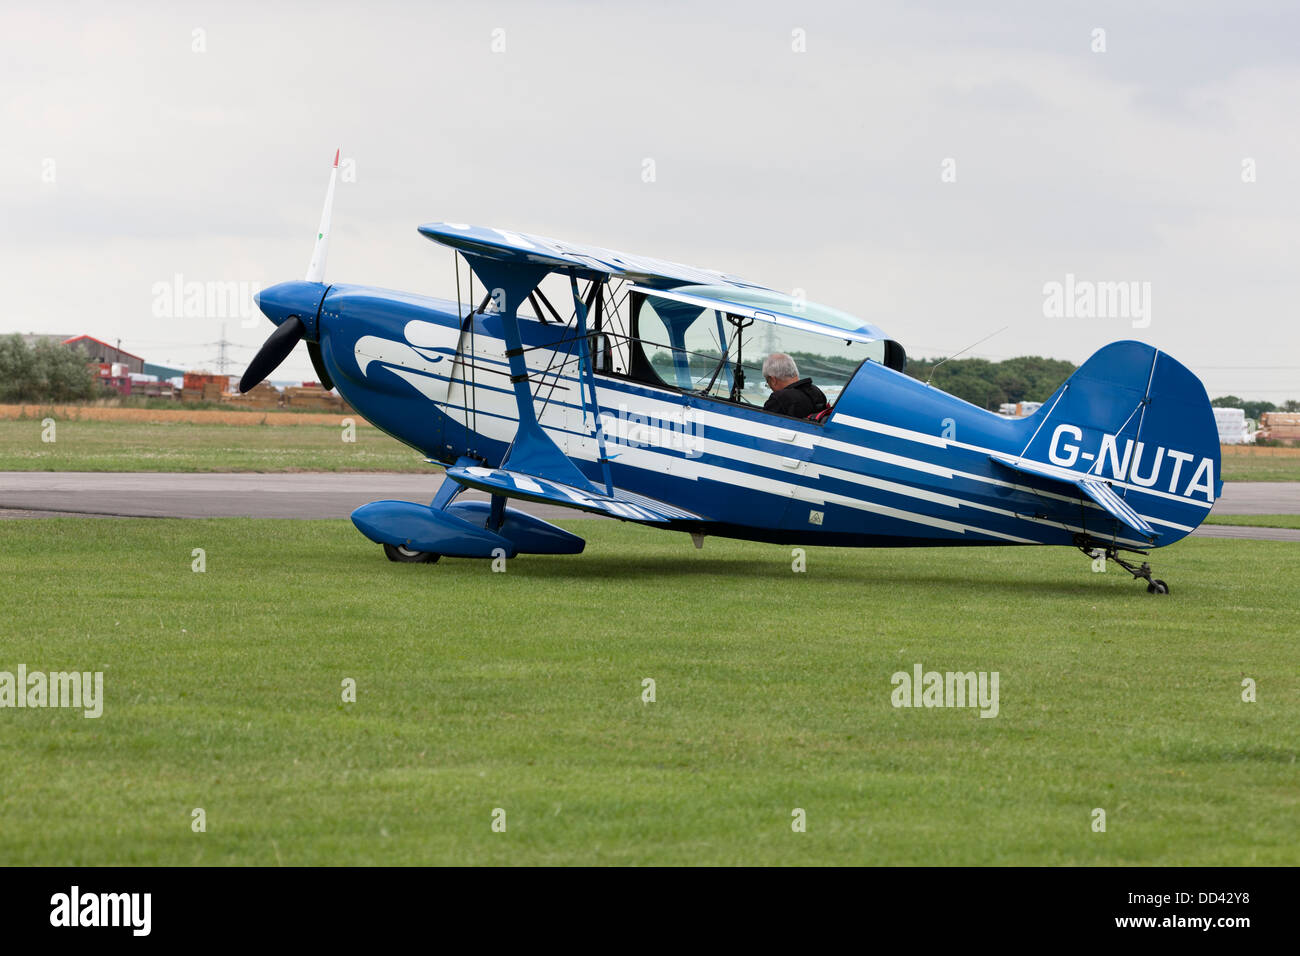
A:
<point x="1232" y="425"/>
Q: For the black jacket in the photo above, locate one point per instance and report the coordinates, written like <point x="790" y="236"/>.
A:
<point x="799" y="400"/>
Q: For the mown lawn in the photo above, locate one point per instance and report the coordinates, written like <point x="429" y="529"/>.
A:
<point x="523" y="691"/>
<point x="1260" y="468"/>
<point x="280" y="445"/>
<point x="144" y="446"/>
<point x="1256" y="521"/>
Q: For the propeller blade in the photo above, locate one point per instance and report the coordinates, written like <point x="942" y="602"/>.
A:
<point x="273" y="351"/>
<point x="316" y="270"/>
<point x="318" y="363"/>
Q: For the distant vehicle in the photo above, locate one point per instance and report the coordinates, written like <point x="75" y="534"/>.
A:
<point x="1018" y="409"/>
<point x="640" y="398"/>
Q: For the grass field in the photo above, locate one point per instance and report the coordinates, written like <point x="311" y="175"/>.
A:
<point x="1260" y="468"/>
<point x="523" y="691"/>
<point x="280" y="446"/>
<point x="132" y="446"/>
<point x="1256" y="521"/>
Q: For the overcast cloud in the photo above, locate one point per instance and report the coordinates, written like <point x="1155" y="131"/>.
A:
<point x="819" y="170"/>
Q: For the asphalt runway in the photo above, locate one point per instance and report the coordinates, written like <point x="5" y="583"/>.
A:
<point x="36" y="494"/>
<point x="1259" y="498"/>
<point x="1242" y="531"/>
<point x="167" y="495"/>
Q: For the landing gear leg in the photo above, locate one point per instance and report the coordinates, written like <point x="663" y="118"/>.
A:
<point x="1141" y="572"/>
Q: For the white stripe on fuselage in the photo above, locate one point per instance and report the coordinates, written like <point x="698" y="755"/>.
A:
<point x="1067" y="474"/>
<point x="502" y="429"/>
<point x="670" y="409"/>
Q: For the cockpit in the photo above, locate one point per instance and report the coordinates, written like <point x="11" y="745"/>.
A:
<point x="711" y="340"/>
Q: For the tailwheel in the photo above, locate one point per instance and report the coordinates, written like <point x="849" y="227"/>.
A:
<point x="404" y="555"/>
<point x="1141" y="572"/>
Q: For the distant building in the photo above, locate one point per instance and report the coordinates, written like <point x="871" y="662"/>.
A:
<point x="105" y="354"/>
<point x="163" y="371"/>
<point x="97" y="350"/>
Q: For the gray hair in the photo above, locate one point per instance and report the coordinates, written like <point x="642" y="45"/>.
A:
<point x="780" y="366"/>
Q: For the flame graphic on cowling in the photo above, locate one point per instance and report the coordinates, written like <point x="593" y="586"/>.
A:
<point x="421" y="360"/>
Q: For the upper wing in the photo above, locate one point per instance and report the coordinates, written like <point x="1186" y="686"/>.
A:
<point x="588" y="261"/>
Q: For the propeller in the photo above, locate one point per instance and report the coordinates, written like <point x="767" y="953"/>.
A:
<point x="318" y="363"/>
<point x="273" y="351"/>
<point x="316" y="270"/>
<point x="291" y="331"/>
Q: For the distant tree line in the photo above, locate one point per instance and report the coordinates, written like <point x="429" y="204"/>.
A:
<point x="44" y="372"/>
<point x="978" y="381"/>
<point x="1254" y="409"/>
<point x="988" y="384"/>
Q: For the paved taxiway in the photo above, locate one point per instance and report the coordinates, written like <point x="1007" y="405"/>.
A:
<point x="170" y="495"/>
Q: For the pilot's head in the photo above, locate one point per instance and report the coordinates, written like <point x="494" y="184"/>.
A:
<point x="779" y="371"/>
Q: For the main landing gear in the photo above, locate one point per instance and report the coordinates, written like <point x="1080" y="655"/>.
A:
<point x="1141" y="572"/>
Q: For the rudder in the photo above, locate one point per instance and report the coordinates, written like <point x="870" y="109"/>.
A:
<point x="1141" y="421"/>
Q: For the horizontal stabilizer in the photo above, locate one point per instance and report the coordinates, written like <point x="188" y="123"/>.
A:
<point x="1097" y="489"/>
<point x="513" y="484"/>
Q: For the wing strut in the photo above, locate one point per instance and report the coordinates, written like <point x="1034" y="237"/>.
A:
<point x="532" y="452"/>
<point x="589" y="377"/>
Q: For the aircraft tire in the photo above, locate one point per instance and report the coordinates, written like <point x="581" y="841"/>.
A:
<point x="406" y="556"/>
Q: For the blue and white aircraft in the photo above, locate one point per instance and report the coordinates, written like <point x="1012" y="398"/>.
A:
<point x="632" y="387"/>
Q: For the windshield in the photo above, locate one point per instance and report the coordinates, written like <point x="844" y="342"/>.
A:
<point x="713" y="353"/>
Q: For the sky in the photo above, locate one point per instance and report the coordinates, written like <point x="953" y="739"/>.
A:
<point x="948" y="171"/>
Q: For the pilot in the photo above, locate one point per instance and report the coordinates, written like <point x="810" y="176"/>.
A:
<point x="791" y="395"/>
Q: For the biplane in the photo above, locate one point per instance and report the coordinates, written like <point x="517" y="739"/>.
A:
<point x="632" y="387"/>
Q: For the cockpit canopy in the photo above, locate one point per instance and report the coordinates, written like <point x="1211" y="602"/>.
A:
<point x="713" y="339"/>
